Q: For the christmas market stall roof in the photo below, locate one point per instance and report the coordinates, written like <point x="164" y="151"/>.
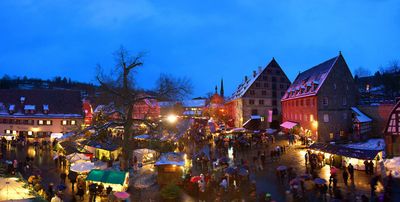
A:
<point x="345" y="151"/>
<point x="171" y="158"/>
<point x="253" y="123"/>
<point x="109" y="146"/>
<point x="288" y="124"/>
<point x="71" y="147"/>
<point x="107" y="176"/>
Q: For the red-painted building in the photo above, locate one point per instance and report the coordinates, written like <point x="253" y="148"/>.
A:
<point x="88" y="111"/>
<point x="320" y="101"/>
<point x="146" y="109"/>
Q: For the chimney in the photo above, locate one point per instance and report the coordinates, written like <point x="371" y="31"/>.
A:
<point x="259" y="69"/>
<point x="22" y="99"/>
<point x="245" y="79"/>
<point x="254" y="73"/>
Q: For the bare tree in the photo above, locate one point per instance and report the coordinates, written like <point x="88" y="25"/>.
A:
<point x="125" y="94"/>
<point x="362" y="72"/>
<point x="178" y="88"/>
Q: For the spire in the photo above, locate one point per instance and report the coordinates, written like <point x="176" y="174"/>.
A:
<point x="221" y="91"/>
<point x="216" y="89"/>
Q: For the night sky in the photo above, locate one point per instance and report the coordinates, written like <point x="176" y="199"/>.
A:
<point x="204" y="41"/>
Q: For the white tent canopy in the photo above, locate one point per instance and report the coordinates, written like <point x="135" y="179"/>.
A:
<point x="82" y="167"/>
<point x="76" y="157"/>
<point x="12" y="190"/>
<point x="288" y="124"/>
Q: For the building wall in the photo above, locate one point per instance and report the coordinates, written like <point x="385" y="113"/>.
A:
<point x="265" y="94"/>
<point x="302" y="111"/>
<point x="379" y="115"/>
<point x="142" y="110"/>
<point x="340" y="91"/>
<point x="18" y="125"/>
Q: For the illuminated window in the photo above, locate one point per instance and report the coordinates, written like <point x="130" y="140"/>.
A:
<point x="48" y="122"/>
<point x="326" y="118"/>
<point x="64" y="122"/>
<point x="311" y="117"/>
<point x="73" y="122"/>
<point x="8" y="131"/>
<point x="29" y="132"/>
<point x="40" y="122"/>
<point x="331" y="135"/>
<point x="14" y="132"/>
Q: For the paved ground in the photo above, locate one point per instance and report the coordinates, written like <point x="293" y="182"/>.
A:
<point x="266" y="179"/>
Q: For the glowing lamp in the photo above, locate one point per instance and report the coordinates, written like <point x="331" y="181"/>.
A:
<point x="172" y="118"/>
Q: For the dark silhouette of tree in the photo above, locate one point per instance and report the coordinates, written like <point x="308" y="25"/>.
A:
<point x="125" y="94"/>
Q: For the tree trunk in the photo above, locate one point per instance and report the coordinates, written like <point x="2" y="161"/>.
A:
<point x="126" y="150"/>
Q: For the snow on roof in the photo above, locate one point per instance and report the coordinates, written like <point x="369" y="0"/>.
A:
<point x="142" y="137"/>
<point x="361" y="117"/>
<point x="99" y="108"/>
<point x="29" y="107"/>
<point x="244" y="86"/>
<point x="194" y="103"/>
<point x="171" y="158"/>
<point x="371" y="144"/>
<point x="393" y="165"/>
<point x="166" y="103"/>
<point x="255" y="117"/>
<point x="190" y="112"/>
<point x="39" y="115"/>
<point x="315" y="75"/>
<point x="46" y="107"/>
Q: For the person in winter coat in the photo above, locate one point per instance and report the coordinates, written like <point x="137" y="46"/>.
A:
<point x="345" y="176"/>
<point x="350" y="168"/>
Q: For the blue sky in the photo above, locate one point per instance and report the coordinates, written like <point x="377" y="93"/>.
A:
<point x="203" y="40"/>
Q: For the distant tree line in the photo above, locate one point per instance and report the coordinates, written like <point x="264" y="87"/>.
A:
<point x="15" y="82"/>
<point x="387" y="76"/>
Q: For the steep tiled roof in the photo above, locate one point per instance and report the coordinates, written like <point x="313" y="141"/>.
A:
<point x="57" y="102"/>
<point x="245" y="85"/>
<point x="309" y="82"/>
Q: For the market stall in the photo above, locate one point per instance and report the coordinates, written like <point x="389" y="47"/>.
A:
<point x="103" y="150"/>
<point x="116" y="179"/>
<point x="82" y="167"/>
<point x="145" y="156"/>
<point x="340" y="155"/>
<point x="171" y="168"/>
<point x="78" y="157"/>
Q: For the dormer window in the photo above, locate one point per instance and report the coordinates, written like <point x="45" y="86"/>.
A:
<point x="45" y="109"/>
<point x="29" y="109"/>
<point x="11" y="109"/>
<point x="22" y="99"/>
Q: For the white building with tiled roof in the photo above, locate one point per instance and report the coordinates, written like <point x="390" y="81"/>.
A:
<point x="259" y="94"/>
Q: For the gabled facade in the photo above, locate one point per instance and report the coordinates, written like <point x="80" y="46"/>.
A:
<point x="259" y="94"/>
<point x="392" y="132"/>
<point x="319" y="100"/>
